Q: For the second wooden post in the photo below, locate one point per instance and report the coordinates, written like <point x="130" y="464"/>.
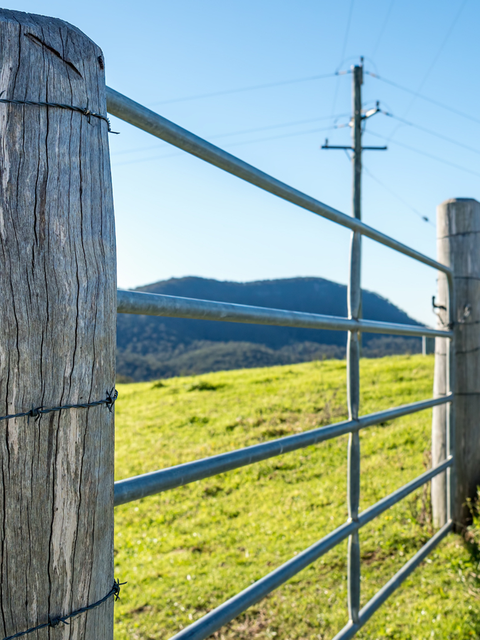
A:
<point x="458" y="224"/>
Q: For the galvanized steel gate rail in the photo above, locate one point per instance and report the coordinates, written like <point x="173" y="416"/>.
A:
<point x="162" y="305"/>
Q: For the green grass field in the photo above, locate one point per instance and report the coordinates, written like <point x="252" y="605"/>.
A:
<point x="185" y="551"/>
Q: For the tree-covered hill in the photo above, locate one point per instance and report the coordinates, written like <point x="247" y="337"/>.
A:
<point x="150" y="347"/>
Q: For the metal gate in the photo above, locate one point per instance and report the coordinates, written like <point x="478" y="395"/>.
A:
<point x="162" y="305"/>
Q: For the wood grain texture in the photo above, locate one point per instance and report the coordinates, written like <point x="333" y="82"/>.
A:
<point x="57" y="325"/>
<point x="458" y="246"/>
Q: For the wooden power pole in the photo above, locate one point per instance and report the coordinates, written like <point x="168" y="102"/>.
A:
<point x="353" y="344"/>
<point x="57" y="327"/>
<point x="356" y="122"/>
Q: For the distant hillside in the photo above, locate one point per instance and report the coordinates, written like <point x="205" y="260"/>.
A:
<point x="150" y="347"/>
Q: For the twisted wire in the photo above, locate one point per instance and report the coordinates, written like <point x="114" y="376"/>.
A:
<point x="54" y="622"/>
<point x="83" y="110"/>
<point x="109" y="402"/>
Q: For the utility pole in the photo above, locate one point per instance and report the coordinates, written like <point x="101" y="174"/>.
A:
<point x="357" y="140"/>
<point x="353" y="344"/>
<point x="356" y="122"/>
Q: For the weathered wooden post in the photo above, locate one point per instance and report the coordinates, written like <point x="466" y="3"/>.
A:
<point x="57" y="331"/>
<point x="458" y="224"/>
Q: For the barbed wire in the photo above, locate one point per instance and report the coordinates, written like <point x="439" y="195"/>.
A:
<point x="36" y="412"/>
<point x="54" y="622"/>
<point x="83" y="110"/>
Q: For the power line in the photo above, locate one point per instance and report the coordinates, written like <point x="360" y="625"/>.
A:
<point x="431" y="100"/>
<point x="242" y="131"/>
<point x="344" y="46"/>
<point x="234" y="144"/>
<point x="434" y="62"/>
<point x="424" y="218"/>
<point x="432" y="133"/>
<point x="382" y="30"/>
<point x="428" y="155"/>
<point x="249" y="88"/>
<point x="442" y="46"/>
<point x="347" y="30"/>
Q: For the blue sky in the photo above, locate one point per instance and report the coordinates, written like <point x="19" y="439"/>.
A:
<point x="178" y="216"/>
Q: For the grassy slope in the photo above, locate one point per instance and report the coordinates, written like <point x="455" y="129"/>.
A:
<point x="185" y="551"/>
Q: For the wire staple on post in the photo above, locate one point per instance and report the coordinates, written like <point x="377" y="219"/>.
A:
<point x="54" y="622"/>
<point x="37" y="412"/>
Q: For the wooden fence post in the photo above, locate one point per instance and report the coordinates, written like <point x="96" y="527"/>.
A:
<point x="57" y="330"/>
<point x="458" y="225"/>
